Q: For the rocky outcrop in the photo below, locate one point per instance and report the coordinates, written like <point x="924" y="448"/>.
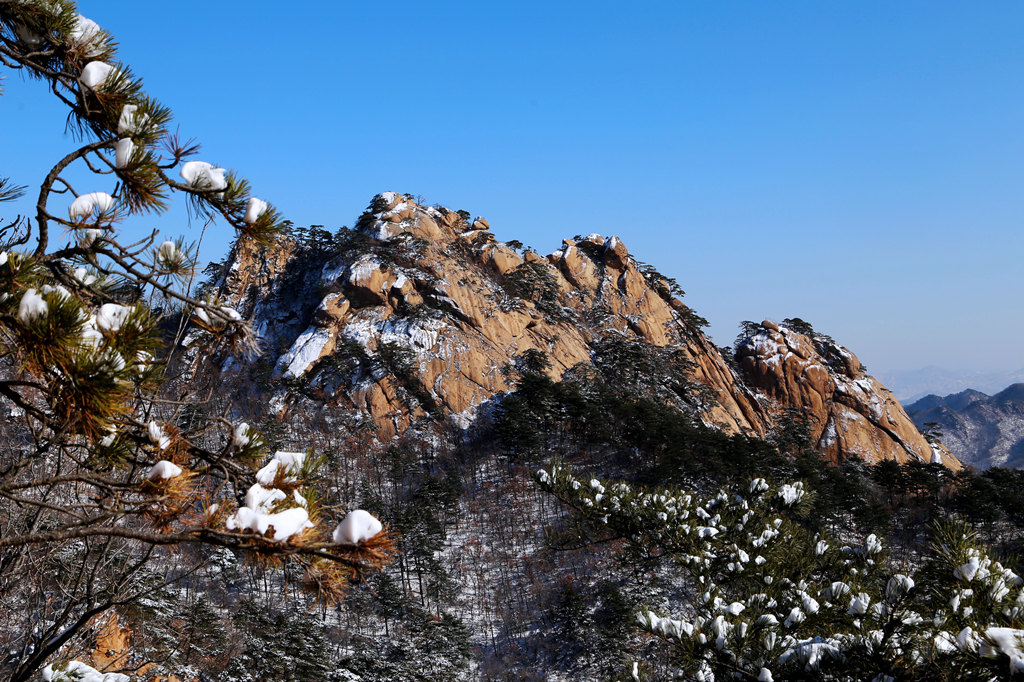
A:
<point x="848" y="411"/>
<point x="458" y="306"/>
<point x="112" y="651"/>
<point x="418" y="313"/>
<point x="982" y="430"/>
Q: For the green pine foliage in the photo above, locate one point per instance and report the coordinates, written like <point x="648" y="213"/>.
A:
<point x="112" y="464"/>
<point x="289" y="646"/>
<point x="769" y="599"/>
<point x="425" y="649"/>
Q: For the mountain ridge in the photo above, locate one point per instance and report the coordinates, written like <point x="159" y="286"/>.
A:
<point x="417" y="314"/>
<point x="983" y="430"/>
<point x="909" y="386"/>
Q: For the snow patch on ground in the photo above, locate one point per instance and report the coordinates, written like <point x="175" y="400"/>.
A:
<point x="76" y="671"/>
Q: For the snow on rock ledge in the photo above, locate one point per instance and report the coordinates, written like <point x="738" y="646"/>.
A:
<point x="306" y="350"/>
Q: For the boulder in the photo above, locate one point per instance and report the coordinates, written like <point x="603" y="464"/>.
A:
<point x="425" y="227"/>
<point x="450" y="218"/>
<point x="367" y="283"/>
<point x="501" y="258"/>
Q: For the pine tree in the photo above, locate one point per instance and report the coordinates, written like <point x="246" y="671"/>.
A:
<point x="424" y="649"/>
<point x="283" y="646"/>
<point x="105" y="467"/>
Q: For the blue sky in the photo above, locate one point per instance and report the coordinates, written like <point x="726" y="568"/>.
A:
<point x="859" y="165"/>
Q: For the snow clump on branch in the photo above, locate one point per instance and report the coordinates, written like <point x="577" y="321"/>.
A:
<point x="76" y="671"/>
<point x="358" y="526"/>
<point x="32" y="307"/>
<point x="242" y="435"/>
<point x="87" y="204"/>
<point x="163" y="470"/>
<point x="202" y="175"/>
<point x="262" y="498"/>
<point x="157" y="436"/>
<point x="124" y="150"/>
<point x="167" y="255"/>
<point x="130" y="120"/>
<point x="253" y="210"/>
<point x="111" y="316"/>
<point x="87" y="36"/>
<point x="95" y="74"/>
<point x="285" y="465"/>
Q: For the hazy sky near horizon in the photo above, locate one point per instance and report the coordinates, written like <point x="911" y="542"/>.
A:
<point x="859" y="165"/>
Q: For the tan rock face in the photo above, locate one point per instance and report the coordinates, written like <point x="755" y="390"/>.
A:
<point x="455" y="308"/>
<point x="113" y="642"/>
<point x="112" y="651"/>
<point x="851" y="413"/>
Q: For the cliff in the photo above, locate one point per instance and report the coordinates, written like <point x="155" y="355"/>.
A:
<point x="849" y="412"/>
<point x="417" y="313"/>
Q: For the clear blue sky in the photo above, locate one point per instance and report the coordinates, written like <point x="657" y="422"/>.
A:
<point x="857" y="164"/>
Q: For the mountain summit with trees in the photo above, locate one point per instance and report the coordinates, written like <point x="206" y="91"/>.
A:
<point x="414" y="315"/>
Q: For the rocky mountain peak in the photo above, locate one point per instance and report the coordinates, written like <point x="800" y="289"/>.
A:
<point x="419" y="312"/>
<point x="849" y="411"/>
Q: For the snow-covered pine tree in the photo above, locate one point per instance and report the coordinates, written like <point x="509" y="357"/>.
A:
<point x="286" y="646"/>
<point x="99" y="470"/>
<point x="766" y="599"/>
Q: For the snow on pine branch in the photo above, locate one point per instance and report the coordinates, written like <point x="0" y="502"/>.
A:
<point x="777" y="602"/>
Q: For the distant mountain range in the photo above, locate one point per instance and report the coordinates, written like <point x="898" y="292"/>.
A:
<point x="911" y="385"/>
<point x="982" y="430"/>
